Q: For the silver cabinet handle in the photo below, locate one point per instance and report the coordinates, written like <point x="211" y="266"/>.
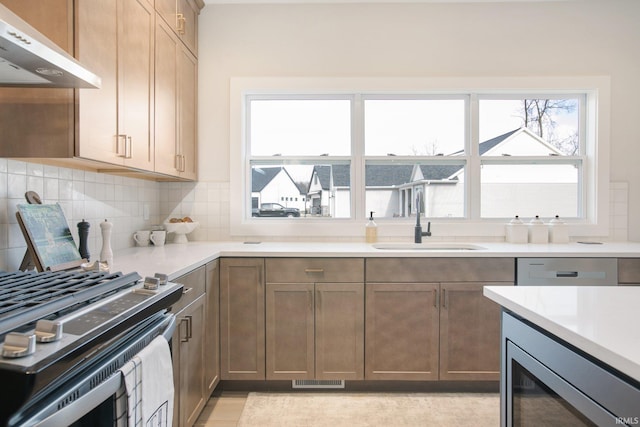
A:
<point x="314" y="270"/>
<point x="186" y="322"/>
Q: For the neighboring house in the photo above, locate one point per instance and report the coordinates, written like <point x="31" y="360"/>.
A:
<point x="275" y="185"/>
<point x="391" y="189"/>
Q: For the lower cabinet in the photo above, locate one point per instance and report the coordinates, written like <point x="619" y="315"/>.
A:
<point x="431" y="331"/>
<point x="242" y="330"/>
<point x="212" y="328"/>
<point x="315" y="331"/>
<point x="188" y="349"/>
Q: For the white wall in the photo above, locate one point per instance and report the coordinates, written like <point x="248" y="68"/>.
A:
<point x="595" y="37"/>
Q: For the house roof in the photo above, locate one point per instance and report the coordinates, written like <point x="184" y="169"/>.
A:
<point x="381" y="175"/>
<point x="261" y="177"/>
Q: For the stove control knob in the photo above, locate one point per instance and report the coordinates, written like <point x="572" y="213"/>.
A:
<point x="151" y="283"/>
<point x="162" y="277"/>
<point x="18" y="345"/>
<point x="48" y="331"/>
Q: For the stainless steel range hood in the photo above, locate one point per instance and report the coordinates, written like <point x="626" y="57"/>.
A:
<point x="28" y="58"/>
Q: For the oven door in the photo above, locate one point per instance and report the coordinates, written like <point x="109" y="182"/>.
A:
<point x="89" y="398"/>
<point x="547" y="382"/>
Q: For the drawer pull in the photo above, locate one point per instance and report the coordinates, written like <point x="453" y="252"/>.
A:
<point x="186" y="290"/>
<point x="314" y="270"/>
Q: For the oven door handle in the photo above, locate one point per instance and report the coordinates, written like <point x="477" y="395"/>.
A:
<point x="96" y="396"/>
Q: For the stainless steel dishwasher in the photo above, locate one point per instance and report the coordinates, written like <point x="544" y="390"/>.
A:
<point x="567" y="272"/>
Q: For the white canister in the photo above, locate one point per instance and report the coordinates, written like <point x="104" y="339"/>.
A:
<point x="558" y="231"/>
<point x="516" y="231"/>
<point x="538" y="231"/>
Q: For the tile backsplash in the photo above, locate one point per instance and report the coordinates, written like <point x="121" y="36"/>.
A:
<point x="135" y="204"/>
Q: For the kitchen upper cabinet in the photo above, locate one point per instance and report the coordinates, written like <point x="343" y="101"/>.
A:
<point x="40" y="121"/>
<point x="242" y="319"/>
<point x="175" y="105"/>
<point x="182" y="18"/>
<point x="116" y="40"/>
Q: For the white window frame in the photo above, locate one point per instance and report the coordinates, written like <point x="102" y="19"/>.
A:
<point x="595" y="189"/>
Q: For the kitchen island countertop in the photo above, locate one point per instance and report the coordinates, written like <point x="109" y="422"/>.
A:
<point x="601" y="321"/>
<point x="177" y="259"/>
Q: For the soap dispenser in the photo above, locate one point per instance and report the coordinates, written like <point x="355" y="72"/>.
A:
<point x="371" y="229"/>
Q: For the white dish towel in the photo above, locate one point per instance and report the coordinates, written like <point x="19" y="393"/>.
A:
<point x="147" y="400"/>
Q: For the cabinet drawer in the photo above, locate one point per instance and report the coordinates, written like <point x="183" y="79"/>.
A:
<point x="411" y="270"/>
<point x="194" y="286"/>
<point x="314" y="270"/>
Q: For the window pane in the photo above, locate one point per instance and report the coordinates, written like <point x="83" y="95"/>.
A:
<point x="391" y="190"/>
<point x="314" y="190"/>
<point x="300" y="127"/>
<point x="529" y="127"/>
<point x="529" y="190"/>
<point x="414" y="127"/>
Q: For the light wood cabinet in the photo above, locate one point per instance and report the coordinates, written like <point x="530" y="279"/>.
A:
<point x="111" y="129"/>
<point x="242" y="319"/>
<point x="402" y="331"/>
<point x="469" y="332"/>
<point x="445" y="329"/>
<point x="175" y="105"/>
<point x="315" y="318"/>
<point x="315" y="331"/>
<point x="212" y="326"/>
<point x="188" y="349"/>
<point x="182" y="18"/>
<point x="116" y="39"/>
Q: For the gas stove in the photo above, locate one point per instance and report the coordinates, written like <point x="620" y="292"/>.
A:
<point x="53" y="325"/>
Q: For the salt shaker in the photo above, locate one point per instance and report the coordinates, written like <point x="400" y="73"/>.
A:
<point x="106" y="254"/>
<point x="83" y="235"/>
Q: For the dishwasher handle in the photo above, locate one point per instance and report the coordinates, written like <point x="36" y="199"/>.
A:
<point x="566" y="274"/>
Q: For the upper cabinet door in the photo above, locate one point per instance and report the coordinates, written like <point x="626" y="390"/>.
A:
<point x="187" y="113"/>
<point x="135" y="83"/>
<point x="97" y="45"/>
<point x="182" y="17"/>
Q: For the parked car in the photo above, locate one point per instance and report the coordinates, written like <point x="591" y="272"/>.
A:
<point x="275" y="210"/>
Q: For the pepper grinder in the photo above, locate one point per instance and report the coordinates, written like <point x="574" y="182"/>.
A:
<point x="83" y="235"/>
<point x="106" y="254"/>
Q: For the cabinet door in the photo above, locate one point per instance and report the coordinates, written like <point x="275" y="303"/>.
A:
<point x="135" y="83"/>
<point x="187" y="113"/>
<point x="339" y="323"/>
<point x="290" y="331"/>
<point x="166" y="99"/>
<point x="242" y="323"/>
<point x="192" y="371"/>
<point x="469" y="333"/>
<point x="212" y="327"/>
<point x="401" y="331"/>
<point x="98" y="108"/>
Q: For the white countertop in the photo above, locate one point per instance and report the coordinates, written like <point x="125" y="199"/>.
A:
<point x="177" y="259"/>
<point x="601" y="321"/>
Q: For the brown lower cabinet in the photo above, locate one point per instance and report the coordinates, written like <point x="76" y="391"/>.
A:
<point x="315" y="331"/>
<point x="188" y="349"/>
<point x="242" y="333"/>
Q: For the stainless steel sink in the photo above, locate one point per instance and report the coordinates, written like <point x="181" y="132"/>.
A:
<point x="446" y="246"/>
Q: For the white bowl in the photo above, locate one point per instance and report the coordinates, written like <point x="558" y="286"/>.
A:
<point x="181" y="229"/>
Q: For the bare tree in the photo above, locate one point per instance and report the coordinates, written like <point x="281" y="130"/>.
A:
<point x="538" y="116"/>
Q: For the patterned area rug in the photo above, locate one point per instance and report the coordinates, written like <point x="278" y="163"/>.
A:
<point x="371" y="409"/>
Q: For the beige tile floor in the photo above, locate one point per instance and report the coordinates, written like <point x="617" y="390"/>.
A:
<point x="222" y="410"/>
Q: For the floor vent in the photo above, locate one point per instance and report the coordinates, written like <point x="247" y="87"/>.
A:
<point x="317" y="383"/>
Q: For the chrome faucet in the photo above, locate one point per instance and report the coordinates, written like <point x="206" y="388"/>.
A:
<point x="418" y="233"/>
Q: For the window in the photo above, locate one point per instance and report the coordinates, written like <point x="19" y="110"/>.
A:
<point x="478" y="156"/>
